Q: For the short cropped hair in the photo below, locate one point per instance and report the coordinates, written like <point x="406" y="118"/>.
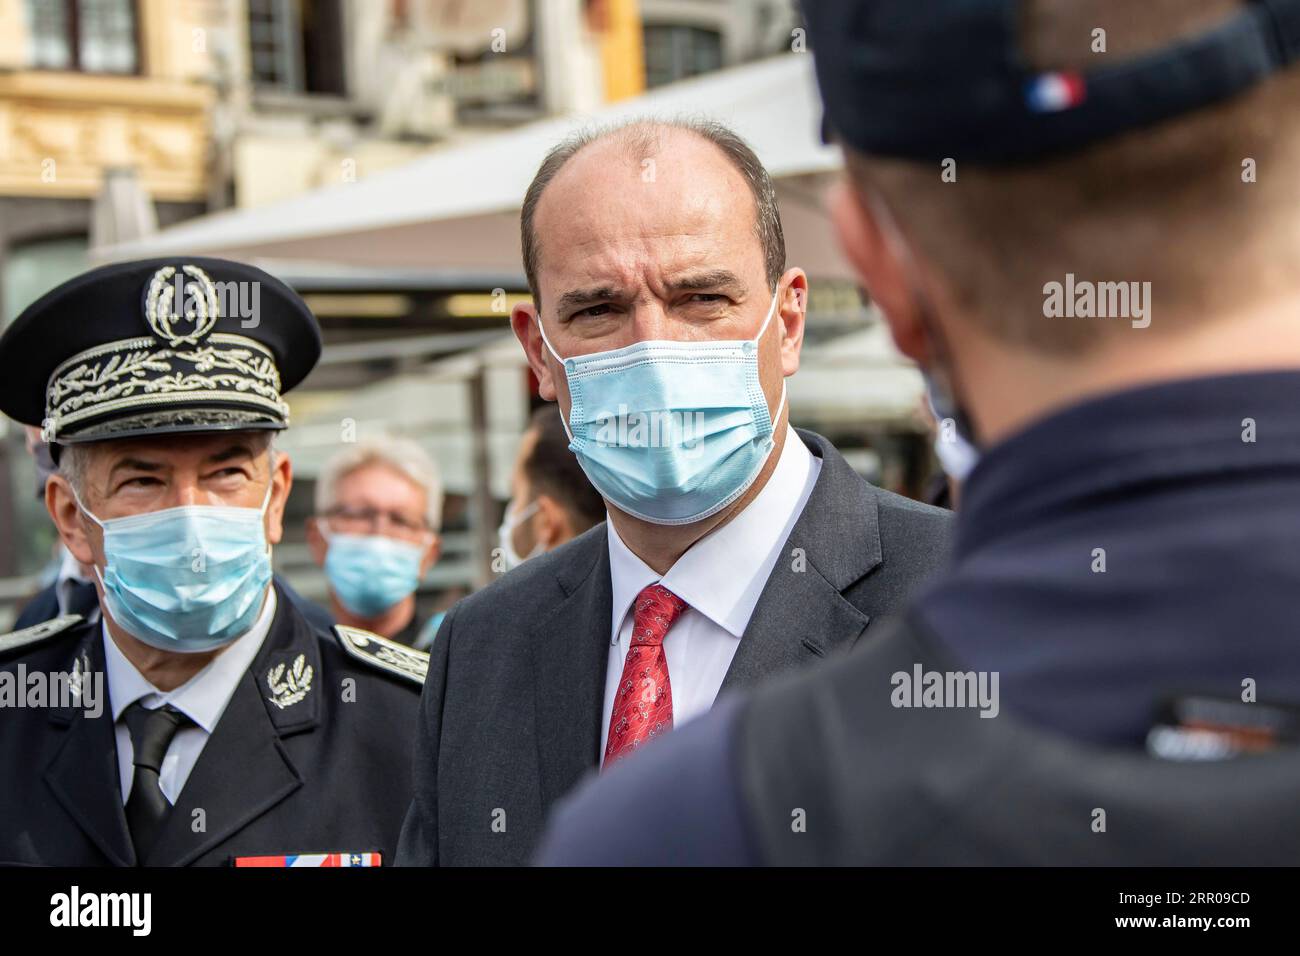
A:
<point x="399" y="454"/>
<point x="553" y="470"/>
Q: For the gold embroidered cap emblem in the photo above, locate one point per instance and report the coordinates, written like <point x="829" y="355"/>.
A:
<point x="172" y="299"/>
<point x="291" y="685"/>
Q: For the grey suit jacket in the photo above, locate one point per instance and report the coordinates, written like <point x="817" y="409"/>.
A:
<point x="511" y="710"/>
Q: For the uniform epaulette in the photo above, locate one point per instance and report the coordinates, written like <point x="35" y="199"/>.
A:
<point x="384" y="654"/>
<point x="37" y="632"/>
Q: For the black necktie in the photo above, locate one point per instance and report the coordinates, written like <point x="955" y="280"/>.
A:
<point x="151" y="734"/>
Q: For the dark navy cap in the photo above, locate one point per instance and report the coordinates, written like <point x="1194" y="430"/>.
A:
<point x="182" y="344"/>
<point x="932" y="79"/>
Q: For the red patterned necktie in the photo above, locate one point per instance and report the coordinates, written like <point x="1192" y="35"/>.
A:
<point x="643" y="704"/>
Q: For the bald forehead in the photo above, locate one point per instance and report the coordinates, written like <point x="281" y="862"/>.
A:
<point x="647" y="179"/>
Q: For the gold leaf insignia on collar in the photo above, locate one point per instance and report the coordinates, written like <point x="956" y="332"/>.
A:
<point x="289" y="686"/>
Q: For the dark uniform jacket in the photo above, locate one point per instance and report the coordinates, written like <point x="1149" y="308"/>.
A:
<point x="1135" y="548"/>
<point x="511" y="712"/>
<point x="322" y="765"/>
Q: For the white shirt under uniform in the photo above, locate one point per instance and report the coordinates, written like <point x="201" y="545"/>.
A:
<point x="720" y="577"/>
<point x="202" y="698"/>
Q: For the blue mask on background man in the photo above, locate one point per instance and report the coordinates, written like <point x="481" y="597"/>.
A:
<point x="371" y="573"/>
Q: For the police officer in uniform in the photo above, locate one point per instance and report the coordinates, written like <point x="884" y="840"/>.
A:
<point x="202" y="719"/>
<point x="1107" y="672"/>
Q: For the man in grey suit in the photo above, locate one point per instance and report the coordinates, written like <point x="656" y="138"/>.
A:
<point x="664" y="323"/>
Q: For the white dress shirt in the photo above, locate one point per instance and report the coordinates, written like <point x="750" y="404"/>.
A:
<point x="202" y="698"/>
<point x="720" y="577"/>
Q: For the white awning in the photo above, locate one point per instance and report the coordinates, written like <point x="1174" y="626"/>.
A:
<point x="457" y="208"/>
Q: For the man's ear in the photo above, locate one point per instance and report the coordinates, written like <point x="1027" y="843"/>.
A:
<point x="551" y="525"/>
<point x="74" y="528"/>
<point x="792" y="313"/>
<point x="523" y="319"/>
<point x="281" y="482"/>
<point x="877" y="253"/>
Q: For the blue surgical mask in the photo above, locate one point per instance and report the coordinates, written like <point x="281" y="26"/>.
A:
<point x="506" y="534"/>
<point x="670" y="432"/>
<point x="371" y="573"/>
<point x="957" y="454"/>
<point x="186" y="579"/>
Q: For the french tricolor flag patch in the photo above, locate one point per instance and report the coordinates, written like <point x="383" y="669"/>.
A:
<point x="1054" y="92"/>
<point x="311" y="859"/>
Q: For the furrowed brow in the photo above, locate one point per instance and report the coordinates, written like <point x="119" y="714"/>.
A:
<point x="715" y="279"/>
<point x="578" y="298"/>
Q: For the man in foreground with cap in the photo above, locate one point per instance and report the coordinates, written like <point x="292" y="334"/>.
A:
<point x="1107" y="673"/>
<point x="203" y="720"/>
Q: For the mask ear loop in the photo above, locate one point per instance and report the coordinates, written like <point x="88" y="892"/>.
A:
<point x="266" y="500"/>
<point x="84" y="510"/>
<point x="542" y="329"/>
<point x="758" y="338"/>
<point x="89" y="514"/>
<point x="514" y="520"/>
<point x="771" y="311"/>
<point x="262" y="512"/>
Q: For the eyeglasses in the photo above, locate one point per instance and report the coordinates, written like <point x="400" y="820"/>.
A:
<point x="373" y="520"/>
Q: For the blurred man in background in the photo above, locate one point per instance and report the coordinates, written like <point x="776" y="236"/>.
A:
<point x="1122" y="599"/>
<point x="551" y="499"/>
<point x="664" y="324"/>
<point x="375" y="532"/>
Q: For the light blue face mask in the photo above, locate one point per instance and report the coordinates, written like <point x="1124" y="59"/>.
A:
<point x="506" y="534"/>
<point x="670" y="432"/>
<point x="186" y="579"/>
<point x="957" y="455"/>
<point x="371" y="573"/>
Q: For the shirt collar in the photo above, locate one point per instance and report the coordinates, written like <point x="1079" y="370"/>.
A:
<point x="722" y="575"/>
<point x="70" y="570"/>
<point x="204" y="696"/>
<point x="1166" y="432"/>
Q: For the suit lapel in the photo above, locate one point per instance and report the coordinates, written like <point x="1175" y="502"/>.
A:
<point x="571" y="653"/>
<point x="243" y="771"/>
<point x="802" y="613"/>
<point x="798" y="618"/>
<point x="84" y="773"/>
